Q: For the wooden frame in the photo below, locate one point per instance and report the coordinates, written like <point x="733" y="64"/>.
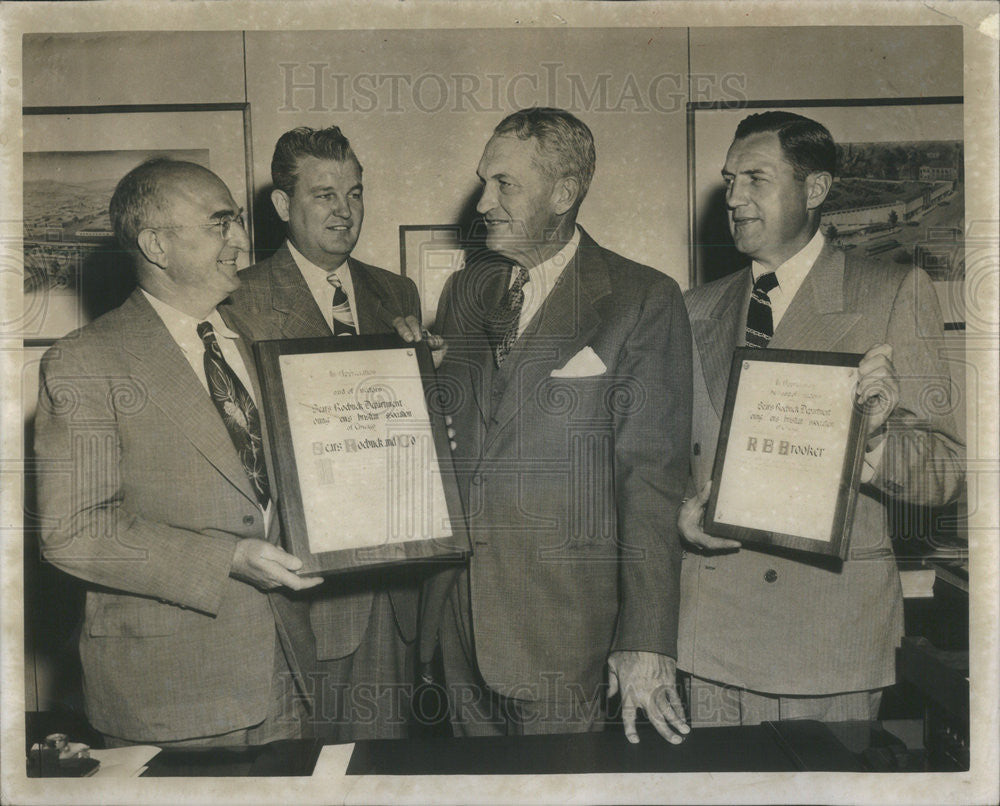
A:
<point x="344" y="507"/>
<point x="783" y="435"/>
<point x="931" y="231"/>
<point x="73" y="156"/>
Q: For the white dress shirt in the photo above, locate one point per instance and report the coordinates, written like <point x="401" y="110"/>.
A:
<point x="184" y="331"/>
<point x="322" y="291"/>
<point x="542" y="278"/>
<point x="790" y="275"/>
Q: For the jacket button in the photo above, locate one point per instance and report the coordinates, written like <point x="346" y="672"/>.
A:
<point x="696" y="449"/>
<point x="477" y="479"/>
<point x="770" y="575"/>
<point x="248" y="520"/>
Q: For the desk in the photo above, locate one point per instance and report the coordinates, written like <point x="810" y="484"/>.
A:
<point x="771" y="747"/>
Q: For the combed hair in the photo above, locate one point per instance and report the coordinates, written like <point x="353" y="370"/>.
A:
<point x="139" y="198"/>
<point x="324" y="144"/>
<point x="565" y="142"/>
<point x="806" y="144"/>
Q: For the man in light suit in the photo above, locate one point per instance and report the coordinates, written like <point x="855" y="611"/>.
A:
<point x="365" y="624"/>
<point x="765" y="635"/>
<point x="568" y="378"/>
<point x="153" y="489"/>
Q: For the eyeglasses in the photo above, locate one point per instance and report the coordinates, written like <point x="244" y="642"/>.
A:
<point x="225" y="224"/>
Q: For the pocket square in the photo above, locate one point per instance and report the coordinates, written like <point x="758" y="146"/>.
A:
<point x="584" y="364"/>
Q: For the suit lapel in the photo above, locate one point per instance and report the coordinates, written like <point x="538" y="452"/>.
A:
<point x="296" y="312"/>
<point x="816" y="319"/>
<point x="561" y="328"/>
<point x="371" y="312"/>
<point x="479" y="361"/>
<point x="719" y="333"/>
<point x="157" y="363"/>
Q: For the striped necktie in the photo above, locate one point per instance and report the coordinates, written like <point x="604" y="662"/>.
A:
<point x="343" y="316"/>
<point x="760" y="323"/>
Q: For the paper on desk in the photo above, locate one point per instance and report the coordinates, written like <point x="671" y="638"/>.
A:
<point x="123" y="762"/>
<point x="333" y="760"/>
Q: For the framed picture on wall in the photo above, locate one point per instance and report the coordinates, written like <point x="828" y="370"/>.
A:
<point x="73" y="158"/>
<point x="898" y="197"/>
<point x="429" y="254"/>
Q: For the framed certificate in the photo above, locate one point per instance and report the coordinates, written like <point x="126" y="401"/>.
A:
<point x="360" y="455"/>
<point x="790" y="451"/>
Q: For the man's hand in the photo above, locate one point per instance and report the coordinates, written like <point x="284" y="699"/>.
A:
<point x="265" y="566"/>
<point x="690" y="517"/>
<point x="409" y="329"/>
<point x="878" y="385"/>
<point x="647" y="680"/>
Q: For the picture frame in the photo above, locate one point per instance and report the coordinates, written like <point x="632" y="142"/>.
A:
<point x="73" y="158"/>
<point x="360" y="453"/>
<point x="890" y="201"/>
<point x="790" y="427"/>
<point x="430" y="254"/>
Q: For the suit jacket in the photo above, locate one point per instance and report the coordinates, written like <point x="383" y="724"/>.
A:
<point x="570" y="484"/>
<point x="817" y="628"/>
<point x="274" y="302"/>
<point x="142" y="495"/>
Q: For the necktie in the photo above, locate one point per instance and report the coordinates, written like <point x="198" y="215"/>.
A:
<point x="343" y="317"/>
<point x="760" y="324"/>
<point x="503" y="320"/>
<point x="238" y="412"/>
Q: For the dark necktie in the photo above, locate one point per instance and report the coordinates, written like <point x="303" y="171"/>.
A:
<point x="343" y="317"/>
<point x="760" y="323"/>
<point x="238" y="412"/>
<point x="503" y="320"/>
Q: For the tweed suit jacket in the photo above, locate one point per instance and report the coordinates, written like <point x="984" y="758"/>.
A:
<point x="143" y="496"/>
<point x="771" y="623"/>
<point x="570" y="480"/>
<point x="274" y="302"/>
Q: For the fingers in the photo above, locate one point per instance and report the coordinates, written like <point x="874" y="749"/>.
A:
<point x="689" y="522"/>
<point x="878" y="385"/>
<point x="266" y="566"/>
<point x="628" y="722"/>
<point x="408" y="328"/>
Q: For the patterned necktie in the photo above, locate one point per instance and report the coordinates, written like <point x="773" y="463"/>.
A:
<point x="502" y="322"/>
<point x="238" y="412"/>
<point x="760" y="324"/>
<point x="343" y="317"/>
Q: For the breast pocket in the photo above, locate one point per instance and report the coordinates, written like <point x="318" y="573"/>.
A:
<point x="132" y="616"/>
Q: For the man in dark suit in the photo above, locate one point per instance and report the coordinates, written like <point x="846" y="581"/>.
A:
<point x="154" y="490"/>
<point x="765" y="635"/>
<point x="568" y="378"/>
<point x="365" y="624"/>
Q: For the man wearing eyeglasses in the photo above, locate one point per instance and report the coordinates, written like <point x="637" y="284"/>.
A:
<point x="153" y="489"/>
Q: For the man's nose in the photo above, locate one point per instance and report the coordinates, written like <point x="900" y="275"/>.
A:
<point x="487" y="201"/>
<point x="735" y="194"/>
<point x="238" y="236"/>
<point x="339" y="207"/>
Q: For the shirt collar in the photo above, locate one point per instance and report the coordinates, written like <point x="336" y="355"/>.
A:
<point x="792" y="272"/>
<point x="305" y="264"/>
<point x="545" y="274"/>
<point x="184" y="327"/>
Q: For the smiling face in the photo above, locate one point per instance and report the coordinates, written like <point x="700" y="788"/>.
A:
<point x="771" y="213"/>
<point x="523" y="206"/>
<point x="199" y="264"/>
<point x="325" y="211"/>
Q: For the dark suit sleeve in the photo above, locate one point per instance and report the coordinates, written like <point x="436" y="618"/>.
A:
<point x="85" y="528"/>
<point x="923" y="460"/>
<point x="652" y="435"/>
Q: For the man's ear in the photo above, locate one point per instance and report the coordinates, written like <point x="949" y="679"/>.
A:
<point x="565" y="193"/>
<point x="280" y="201"/>
<point x="817" y="186"/>
<point x="151" y="246"/>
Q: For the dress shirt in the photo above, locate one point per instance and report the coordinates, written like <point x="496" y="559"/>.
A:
<point x="315" y="277"/>
<point x="184" y="330"/>
<point x="790" y="275"/>
<point x="542" y="278"/>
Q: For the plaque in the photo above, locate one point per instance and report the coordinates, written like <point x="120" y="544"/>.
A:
<point x="790" y="450"/>
<point x="360" y="454"/>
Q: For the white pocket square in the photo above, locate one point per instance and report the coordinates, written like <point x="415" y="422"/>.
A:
<point x="584" y="364"/>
